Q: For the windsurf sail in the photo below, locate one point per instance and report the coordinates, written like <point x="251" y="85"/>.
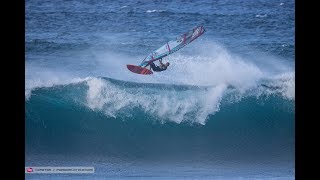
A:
<point x="173" y="45"/>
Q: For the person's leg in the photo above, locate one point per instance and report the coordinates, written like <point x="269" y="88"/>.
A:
<point x="153" y="66"/>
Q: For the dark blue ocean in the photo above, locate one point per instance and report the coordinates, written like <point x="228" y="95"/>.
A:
<point x="224" y="108"/>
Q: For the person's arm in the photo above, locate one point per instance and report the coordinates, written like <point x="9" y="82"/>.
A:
<point x="161" y="62"/>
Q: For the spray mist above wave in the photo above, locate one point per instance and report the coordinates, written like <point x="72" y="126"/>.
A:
<point x="210" y="64"/>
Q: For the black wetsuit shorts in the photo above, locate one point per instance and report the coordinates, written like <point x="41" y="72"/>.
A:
<point x="156" y="68"/>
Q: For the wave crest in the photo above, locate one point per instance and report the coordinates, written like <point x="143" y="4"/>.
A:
<point x="172" y="105"/>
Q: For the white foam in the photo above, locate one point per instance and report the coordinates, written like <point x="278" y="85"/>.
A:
<point x="286" y="85"/>
<point x="261" y="15"/>
<point x="211" y="102"/>
<point x="154" y="10"/>
<point x="166" y="105"/>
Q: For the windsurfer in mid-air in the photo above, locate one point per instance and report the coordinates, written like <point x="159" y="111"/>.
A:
<point x="164" y="51"/>
<point x="162" y="66"/>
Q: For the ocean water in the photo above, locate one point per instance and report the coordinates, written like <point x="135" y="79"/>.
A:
<point x="224" y="109"/>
